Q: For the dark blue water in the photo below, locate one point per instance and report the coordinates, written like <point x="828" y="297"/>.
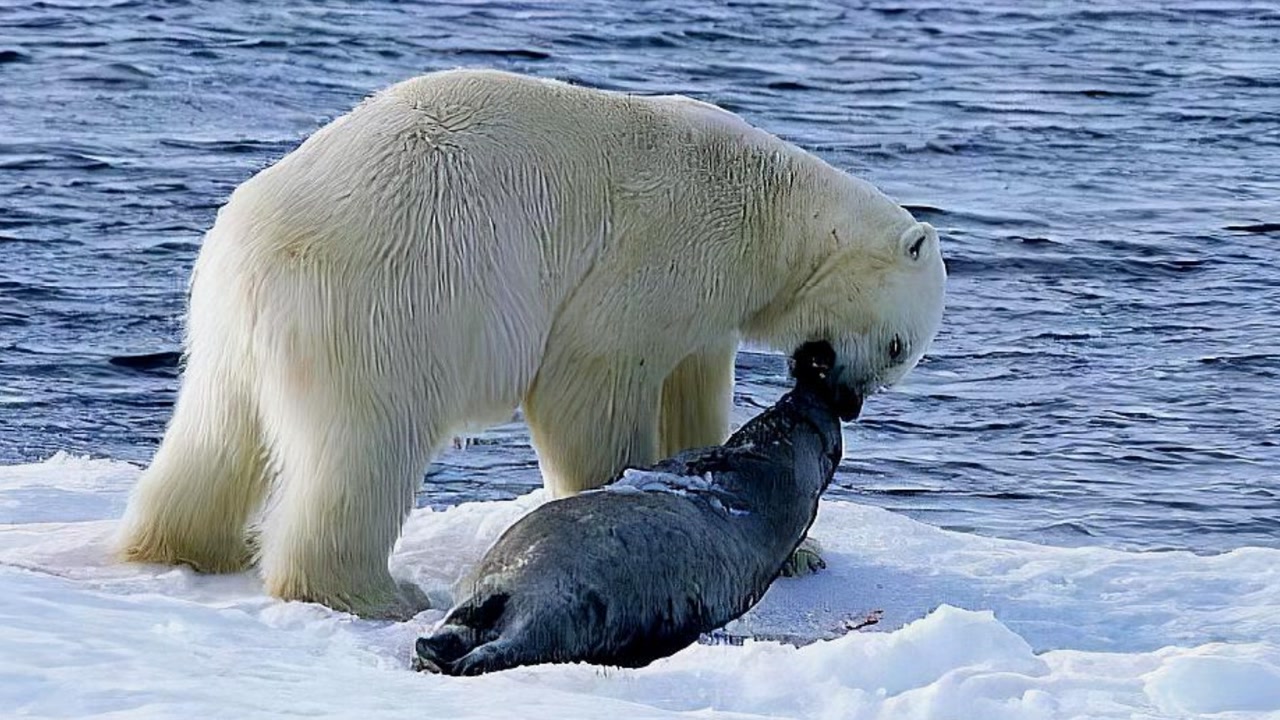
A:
<point x="1106" y="175"/>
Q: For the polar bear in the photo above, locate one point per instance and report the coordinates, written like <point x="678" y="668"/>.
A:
<point x="469" y="242"/>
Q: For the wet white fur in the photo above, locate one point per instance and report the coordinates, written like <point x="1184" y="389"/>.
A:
<point x="467" y="242"/>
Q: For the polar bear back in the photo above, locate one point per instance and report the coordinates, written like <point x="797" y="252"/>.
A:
<point x="498" y="196"/>
<point x="485" y="164"/>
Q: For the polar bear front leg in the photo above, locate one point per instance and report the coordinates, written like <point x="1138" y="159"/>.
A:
<point x="591" y="418"/>
<point x="696" y="399"/>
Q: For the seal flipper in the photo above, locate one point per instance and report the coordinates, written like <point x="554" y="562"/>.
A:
<point x="438" y="652"/>
<point x="469" y="625"/>
<point x="489" y="657"/>
<point x="481" y="615"/>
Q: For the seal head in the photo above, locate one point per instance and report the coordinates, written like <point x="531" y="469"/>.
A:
<point x="813" y="365"/>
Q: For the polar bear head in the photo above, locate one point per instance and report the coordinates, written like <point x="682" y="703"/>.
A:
<point x="889" y="295"/>
<point x="874" y="289"/>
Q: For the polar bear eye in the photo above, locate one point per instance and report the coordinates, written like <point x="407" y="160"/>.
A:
<point x="914" y="250"/>
<point x="895" y="347"/>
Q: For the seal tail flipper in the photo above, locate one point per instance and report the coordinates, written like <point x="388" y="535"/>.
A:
<point x="438" y="652"/>
<point x="466" y="627"/>
<point x="483" y="614"/>
<point x="490" y="657"/>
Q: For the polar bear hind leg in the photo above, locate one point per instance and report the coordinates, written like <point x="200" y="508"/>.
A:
<point x="696" y="400"/>
<point x="192" y="503"/>
<point x="347" y="465"/>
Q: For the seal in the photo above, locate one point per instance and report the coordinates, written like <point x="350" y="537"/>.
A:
<point x="659" y="556"/>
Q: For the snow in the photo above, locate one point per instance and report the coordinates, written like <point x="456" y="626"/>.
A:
<point x="972" y="628"/>
<point x="651" y="481"/>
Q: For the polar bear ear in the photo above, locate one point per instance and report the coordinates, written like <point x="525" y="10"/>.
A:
<point x="916" y="240"/>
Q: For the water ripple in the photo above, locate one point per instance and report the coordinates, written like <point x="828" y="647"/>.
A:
<point x="1104" y="177"/>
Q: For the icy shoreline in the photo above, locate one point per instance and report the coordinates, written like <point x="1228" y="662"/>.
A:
<point x="973" y="627"/>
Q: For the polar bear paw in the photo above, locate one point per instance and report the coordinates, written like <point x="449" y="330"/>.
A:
<point x="406" y="601"/>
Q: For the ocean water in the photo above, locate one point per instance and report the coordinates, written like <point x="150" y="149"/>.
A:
<point x="1106" y="177"/>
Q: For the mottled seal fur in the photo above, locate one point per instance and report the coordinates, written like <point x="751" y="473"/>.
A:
<point x="639" y="569"/>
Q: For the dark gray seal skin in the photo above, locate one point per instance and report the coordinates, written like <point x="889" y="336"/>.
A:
<point x="639" y="569"/>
